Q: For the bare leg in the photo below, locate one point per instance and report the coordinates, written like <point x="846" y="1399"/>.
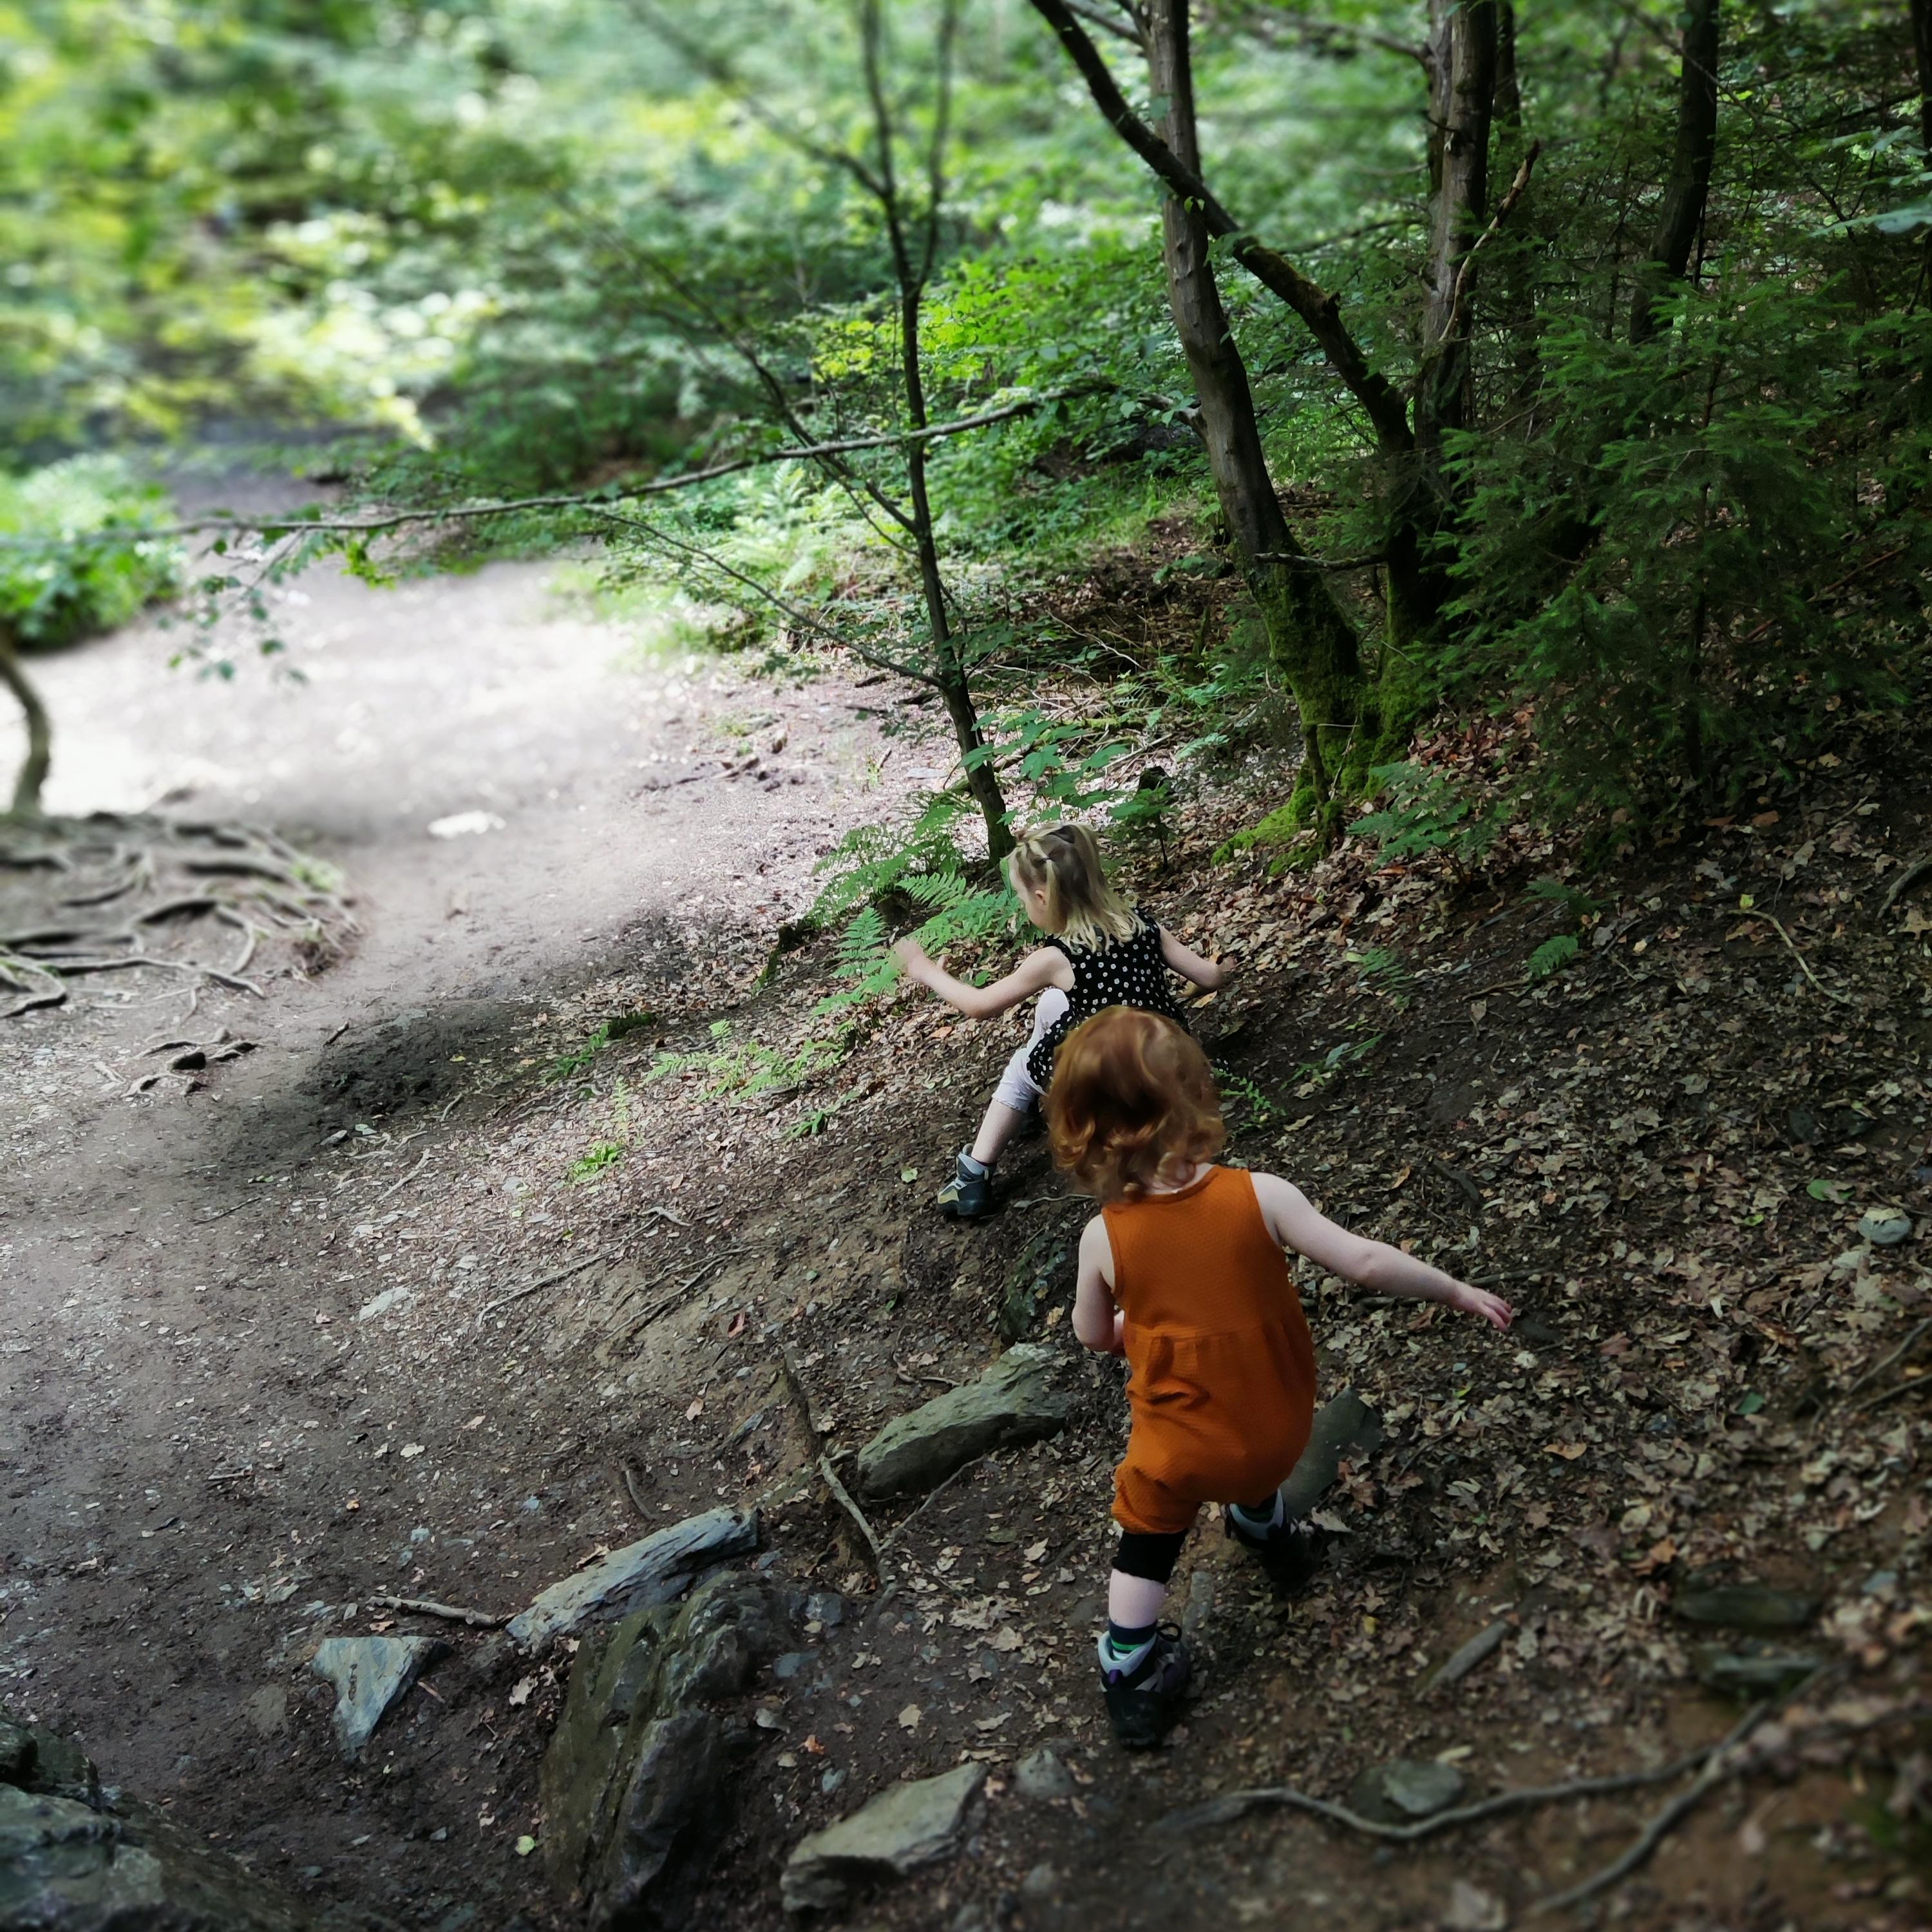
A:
<point x="1133" y="1602"/>
<point x="1001" y="1123"/>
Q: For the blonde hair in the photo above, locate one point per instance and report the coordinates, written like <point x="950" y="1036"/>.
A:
<point x="1063" y="863"/>
<point x="1132" y="1104"/>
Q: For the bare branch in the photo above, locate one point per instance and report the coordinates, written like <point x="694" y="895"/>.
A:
<point x="1317" y="308"/>
<point x="280" y="527"/>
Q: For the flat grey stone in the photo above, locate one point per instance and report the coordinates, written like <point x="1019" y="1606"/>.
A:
<point x="1343" y="1424"/>
<point x="1745" y="1607"/>
<point x="1041" y="1776"/>
<point x="1014" y="1402"/>
<point x="653" y="1570"/>
<point x="1405" y="1789"/>
<point x="906" y="1826"/>
<point x="369" y="1673"/>
<point x="1885" y="1227"/>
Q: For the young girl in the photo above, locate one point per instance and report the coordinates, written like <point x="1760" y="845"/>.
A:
<point x="1100" y="951"/>
<point x="1186" y="1273"/>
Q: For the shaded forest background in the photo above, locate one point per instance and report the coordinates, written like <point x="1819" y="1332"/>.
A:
<point x="1563" y="367"/>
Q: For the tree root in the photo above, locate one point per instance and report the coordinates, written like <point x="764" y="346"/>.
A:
<point x="154" y="873"/>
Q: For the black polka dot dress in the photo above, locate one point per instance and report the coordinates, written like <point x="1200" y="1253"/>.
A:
<point x="1128" y="972"/>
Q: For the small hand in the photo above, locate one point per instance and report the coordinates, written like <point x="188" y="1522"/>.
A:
<point x="1492" y="1308"/>
<point x="911" y="956"/>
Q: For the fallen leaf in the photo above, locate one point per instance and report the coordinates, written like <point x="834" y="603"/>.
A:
<point x="520" y="1691"/>
<point x="908" y="1174"/>
<point x="1569" y="1451"/>
<point x="1005" y="1638"/>
<point x="812" y="1747"/>
<point x="525" y="1845"/>
<point x="765" y="1717"/>
<point x="412" y="1449"/>
<point x="910" y="1717"/>
<point x="691" y="1415"/>
<point x="1037" y="1551"/>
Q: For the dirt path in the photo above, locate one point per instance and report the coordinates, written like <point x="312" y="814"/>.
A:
<point x="188" y="1409"/>
<point x="260" y="1362"/>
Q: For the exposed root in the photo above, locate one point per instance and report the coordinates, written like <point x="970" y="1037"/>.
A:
<point x="156" y="874"/>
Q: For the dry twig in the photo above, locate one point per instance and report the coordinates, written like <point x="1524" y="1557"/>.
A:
<point x="424" y="1606"/>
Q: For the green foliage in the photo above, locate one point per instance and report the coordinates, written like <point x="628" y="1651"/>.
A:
<point x="1427" y="812"/>
<point x="1384" y="972"/>
<point x="66" y="592"/>
<point x="596" y="1158"/>
<point x="748" y="1069"/>
<point x="1552" y="956"/>
<point x="1616" y="569"/>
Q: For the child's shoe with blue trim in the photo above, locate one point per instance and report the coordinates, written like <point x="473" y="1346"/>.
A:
<point x="969" y="1194"/>
<point x="1143" y="1700"/>
<point x="1289" y="1549"/>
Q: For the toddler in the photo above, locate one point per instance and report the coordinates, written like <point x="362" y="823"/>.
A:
<point x="1185" y="1272"/>
<point x="1100" y="951"/>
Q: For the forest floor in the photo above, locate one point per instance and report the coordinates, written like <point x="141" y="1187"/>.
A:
<point x="443" y="1289"/>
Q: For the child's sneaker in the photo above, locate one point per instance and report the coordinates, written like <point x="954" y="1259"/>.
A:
<point x="1289" y="1549"/>
<point x="969" y="1194"/>
<point x="1144" y="1703"/>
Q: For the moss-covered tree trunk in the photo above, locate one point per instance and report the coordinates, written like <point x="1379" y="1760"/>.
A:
<point x="1310" y="637"/>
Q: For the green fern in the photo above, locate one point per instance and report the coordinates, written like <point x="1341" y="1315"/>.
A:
<point x="1551" y="956"/>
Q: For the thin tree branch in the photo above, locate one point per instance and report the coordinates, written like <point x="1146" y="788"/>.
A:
<point x="281" y="527"/>
<point x="1316" y="306"/>
<point x="792" y="613"/>
<point x="1452" y="326"/>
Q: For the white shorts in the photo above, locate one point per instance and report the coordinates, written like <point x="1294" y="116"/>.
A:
<point x="1018" y="1089"/>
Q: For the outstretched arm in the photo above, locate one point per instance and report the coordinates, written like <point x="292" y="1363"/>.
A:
<point x="1033" y="974"/>
<point x="1097" y="1321"/>
<point x="1206" y="973"/>
<point x="1374" y="1265"/>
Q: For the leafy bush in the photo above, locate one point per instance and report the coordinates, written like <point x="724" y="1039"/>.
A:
<point x="1428" y="812"/>
<point x="60" y="594"/>
<point x="1659" y="570"/>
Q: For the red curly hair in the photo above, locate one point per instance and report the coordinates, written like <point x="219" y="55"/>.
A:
<point x="1132" y="1104"/>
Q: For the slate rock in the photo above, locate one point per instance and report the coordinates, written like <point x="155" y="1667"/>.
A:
<point x="1457" y="1666"/>
<point x="905" y="1826"/>
<point x="654" y="1570"/>
<point x="17" y="1752"/>
<point x="1041" y="1776"/>
<point x="1885" y="1227"/>
<point x="1405" y="1789"/>
<point x="369" y="1673"/>
<point x="1045" y="1264"/>
<point x="1745" y="1607"/>
<point x="1344" y="1425"/>
<point x="1014" y="1402"/>
<point x="1752" y="1669"/>
<point x="635" y="1783"/>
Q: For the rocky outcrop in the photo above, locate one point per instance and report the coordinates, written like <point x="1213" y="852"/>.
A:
<point x="74" y="1858"/>
<point x="633" y="1785"/>
<point x="906" y="1826"/>
<point x="1014" y="1402"/>
<point x="655" y="1570"/>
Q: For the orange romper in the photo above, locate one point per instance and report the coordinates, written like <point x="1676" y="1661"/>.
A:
<point x="1222" y="1391"/>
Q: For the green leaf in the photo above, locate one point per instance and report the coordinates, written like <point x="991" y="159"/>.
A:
<point x="1551" y="956"/>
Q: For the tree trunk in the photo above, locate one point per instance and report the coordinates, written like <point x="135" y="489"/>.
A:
<point x="33" y="773"/>
<point x="1688" y="190"/>
<point x="1311" y="639"/>
<point x="1462" y="103"/>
